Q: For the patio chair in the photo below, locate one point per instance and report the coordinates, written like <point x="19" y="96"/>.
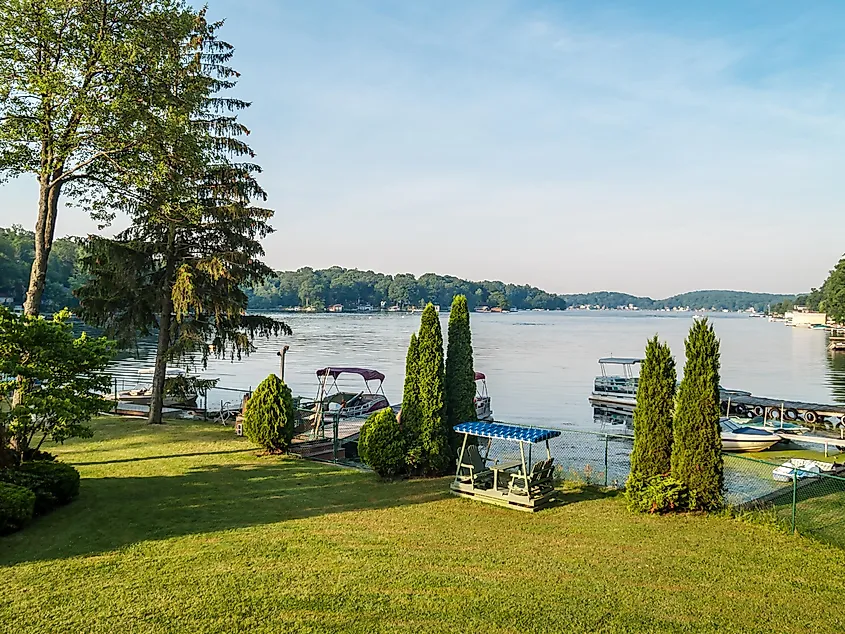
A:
<point x="536" y="483"/>
<point x="476" y="470"/>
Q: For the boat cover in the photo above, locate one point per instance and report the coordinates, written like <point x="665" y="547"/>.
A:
<point x="368" y="375"/>
<point x="506" y="432"/>
<point x="620" y="360"/>
<point x="479" y="376"/>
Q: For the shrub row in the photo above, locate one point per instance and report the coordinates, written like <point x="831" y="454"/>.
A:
<point x="34" y="488"/>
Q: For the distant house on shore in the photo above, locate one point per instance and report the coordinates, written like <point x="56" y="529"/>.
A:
<point x="806" y="318"/>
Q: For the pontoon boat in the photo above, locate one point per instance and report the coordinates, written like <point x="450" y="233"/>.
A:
<point x="483" y="408"/>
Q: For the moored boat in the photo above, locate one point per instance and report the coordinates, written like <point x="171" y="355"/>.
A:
<point x="742" y="438"/>
<point x="483" y="407"/>
<point x="142" y="393"/>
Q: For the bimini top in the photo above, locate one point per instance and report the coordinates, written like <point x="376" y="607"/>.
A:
<point x="368" y="375"/>
<point x="479" y="376"/>
<point x="621" y="360"/>
<point x="506" y="432"/>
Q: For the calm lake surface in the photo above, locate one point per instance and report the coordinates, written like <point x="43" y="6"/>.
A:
<point x="539" y="365"/>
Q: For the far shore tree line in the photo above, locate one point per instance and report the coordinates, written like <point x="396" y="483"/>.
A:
<point x="320" y="289"/>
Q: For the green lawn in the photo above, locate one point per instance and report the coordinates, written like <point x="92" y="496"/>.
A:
<point x="181" y="528"/>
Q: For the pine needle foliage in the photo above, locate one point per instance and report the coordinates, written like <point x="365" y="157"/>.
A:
<point x="194" y="243"/>
<point x="409" y="416"/>
<point x="434" y="447"/>
<point x="460" y="374"/>
<point x="652" y="454"/>
<point x="697" y="444"/>
<point x="269" y="415"/>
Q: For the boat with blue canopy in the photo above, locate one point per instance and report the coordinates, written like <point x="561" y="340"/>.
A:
<point x="526" y="484"/>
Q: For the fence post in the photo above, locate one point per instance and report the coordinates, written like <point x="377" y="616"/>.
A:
<point x="794" y="496"/>
<point x="335" y="432"/>
<point x="605" y="459"/>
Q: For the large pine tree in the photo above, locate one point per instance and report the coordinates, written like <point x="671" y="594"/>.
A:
<point x="435" y="450"/>
<point x="697" y="444"/>
<point x="460" y="374"/>
<point x="652" y="454"/>
<point x="194" y="242"/>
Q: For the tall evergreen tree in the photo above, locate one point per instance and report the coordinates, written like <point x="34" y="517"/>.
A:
<point x="409" y="416"/>
<point x="194" y="243"/>
<point x="436" y="452"/>
<point x="697" y="444"/>
<point x="652" y="454"/>
<point x="460" y="374"/>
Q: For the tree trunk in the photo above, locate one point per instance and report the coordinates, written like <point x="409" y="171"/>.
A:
<point x="45" y="227"/>
<point x="164" y="324"/>
<point x="160" y="375"/>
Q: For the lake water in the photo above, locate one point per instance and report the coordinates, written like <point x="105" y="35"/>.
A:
<point x="539" y="365"/>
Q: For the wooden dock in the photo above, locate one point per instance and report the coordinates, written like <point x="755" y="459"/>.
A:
<point x="817" y="415"/>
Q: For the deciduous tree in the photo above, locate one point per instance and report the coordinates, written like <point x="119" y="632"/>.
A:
<point x="57" y="377"/>
<point x="82" y="85"/>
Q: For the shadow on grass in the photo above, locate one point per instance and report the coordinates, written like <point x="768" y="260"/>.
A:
<point x="176" y="455"/>
<point x="115" y="512"/>
<point x="570" y="493"/>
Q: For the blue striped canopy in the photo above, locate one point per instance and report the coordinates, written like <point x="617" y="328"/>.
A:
<point x="506" y="432"/>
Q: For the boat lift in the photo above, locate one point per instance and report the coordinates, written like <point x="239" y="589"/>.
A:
<point x="516" y="484"/>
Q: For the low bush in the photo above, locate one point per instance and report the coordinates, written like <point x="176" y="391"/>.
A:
<point x="53" y="483"/>
<point x="382" y="444"/>
<point x="17" y="505"/>
<point x="269" y="415"/>
<point x="657" y="494"/>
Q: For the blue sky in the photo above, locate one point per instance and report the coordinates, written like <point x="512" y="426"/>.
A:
<point x="647" y="147"/>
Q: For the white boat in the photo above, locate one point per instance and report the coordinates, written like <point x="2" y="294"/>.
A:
<point x="483" y="407"/>
<point x="142" y="393"/>
<point x="617" y="385"/>
<point x="740" y="438"/>
<point x="800" y="469"/>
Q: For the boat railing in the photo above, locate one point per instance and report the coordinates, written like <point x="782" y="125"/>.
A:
<point x="617" y="384"/>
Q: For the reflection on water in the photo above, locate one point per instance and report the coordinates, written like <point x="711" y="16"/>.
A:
<point x="540" y="366"/>
<point x="836" y="375"/>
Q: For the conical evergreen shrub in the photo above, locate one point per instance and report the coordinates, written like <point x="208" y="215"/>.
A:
<point x="652" y="454"/>
<point x="381" y="444"/>
<point x="435" y="450"/>
<point x="409" y="416"/>
<point x="697" y="443"/>
<point x="269" y="415"/>
<point x="460" y="374"/>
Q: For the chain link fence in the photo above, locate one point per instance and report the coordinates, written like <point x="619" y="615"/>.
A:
<point x="800" y="499"/>
<point x="581" y="456"/>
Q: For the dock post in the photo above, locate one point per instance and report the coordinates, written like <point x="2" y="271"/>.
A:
<point x="794" y="496"/>
<point x="605" y="459"/>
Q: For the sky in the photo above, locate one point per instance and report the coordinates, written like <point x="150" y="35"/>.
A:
<point x="645" y="147"/>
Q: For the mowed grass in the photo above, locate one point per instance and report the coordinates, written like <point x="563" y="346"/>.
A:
<point x="182" y="528"/>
